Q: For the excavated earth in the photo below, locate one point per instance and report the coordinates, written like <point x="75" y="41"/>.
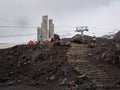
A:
<point x="103" y="76"/>
<point x="43" y="67"/>
<point x="61" y="67"/>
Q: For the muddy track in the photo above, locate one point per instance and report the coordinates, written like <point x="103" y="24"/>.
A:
<point x="79" y="60"/>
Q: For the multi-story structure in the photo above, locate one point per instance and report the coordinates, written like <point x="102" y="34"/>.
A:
<point x="47" y="28"/>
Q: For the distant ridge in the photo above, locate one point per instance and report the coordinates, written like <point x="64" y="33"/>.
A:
<point x="117" y="36"/>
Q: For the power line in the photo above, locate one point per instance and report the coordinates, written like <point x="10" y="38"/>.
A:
<point x="102" y="28"/>
<point x="66" y="26"/>
<point x="17" y="27"/>
<point x="9" y="26"/>
<point x="6" y="20"/>
<point x="35" y="26"/>
<point x="17" y="35"/>
<point x="15" y="22"/>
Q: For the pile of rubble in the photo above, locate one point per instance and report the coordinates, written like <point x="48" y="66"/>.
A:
<point x="79" y="39"/>
<point x="108" y="50"/>
<point x="37" y="65"/>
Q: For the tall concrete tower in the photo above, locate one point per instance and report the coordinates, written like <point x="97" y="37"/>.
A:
<point x="44" y="26"/>
<point x="39" y="33"/>
<point x="43" y="30"/>
<point x="51" y="28"/>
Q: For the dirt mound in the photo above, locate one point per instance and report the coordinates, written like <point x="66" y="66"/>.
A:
<point x="101" y="40"/>
<point x="78" y="38"/>
<point x="35" y="65"/>
<point x="107" y="51"/>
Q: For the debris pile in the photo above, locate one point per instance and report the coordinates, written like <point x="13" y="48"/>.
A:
<point x="46" y="65"/>
<point x="36" y="65"/>
<point x="107" y="51"/>
<point x="78" y="38"/>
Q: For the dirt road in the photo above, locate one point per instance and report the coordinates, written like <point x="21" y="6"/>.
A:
<point x="79" y="58"/>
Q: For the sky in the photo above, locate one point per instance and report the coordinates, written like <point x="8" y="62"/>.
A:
<point x="101" y="17"/>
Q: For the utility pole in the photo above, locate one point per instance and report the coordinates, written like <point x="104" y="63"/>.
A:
<point x="82" y="29"/>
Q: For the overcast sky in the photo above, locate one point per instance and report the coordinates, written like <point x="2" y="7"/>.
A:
<point x="101" y="16"/>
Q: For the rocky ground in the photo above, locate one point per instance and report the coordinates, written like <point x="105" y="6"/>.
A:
<point x="81" y="57"/>
<point x="40" y="66"/>
<point x="77" y="66"/>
